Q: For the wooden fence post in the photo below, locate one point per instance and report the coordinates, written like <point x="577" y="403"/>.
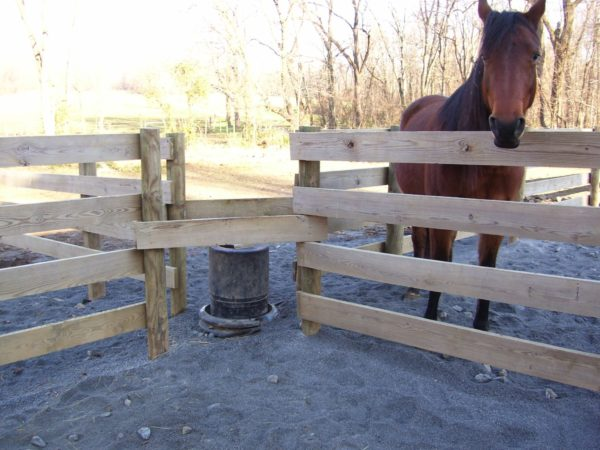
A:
<point x="309" y="280"/>
<point x="154" y="263"/>
<point x="594" y="184"/>
<point x="92" y="240"/>
<point x="520" y="198"/>
<point x="595" y="181"/>
<point x="395" y="232"/>
<point x="176" y="211"/>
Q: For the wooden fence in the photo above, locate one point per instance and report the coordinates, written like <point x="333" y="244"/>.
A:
<point x="576" y="224"/>
<point x="567" y="186"/>
<point x="115" y="205"/>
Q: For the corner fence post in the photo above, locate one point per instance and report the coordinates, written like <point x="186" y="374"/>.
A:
<point x="92" y="240"/>
<point x="309" y="280"/>
<point x="395" y="232"/>
<point x="176" y="211"/>
<point x="154" y="260"/>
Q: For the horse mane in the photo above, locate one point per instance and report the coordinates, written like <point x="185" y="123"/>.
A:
<point x="465" y="109"/>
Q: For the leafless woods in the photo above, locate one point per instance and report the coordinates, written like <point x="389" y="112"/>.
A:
<point x="368" y="61"/>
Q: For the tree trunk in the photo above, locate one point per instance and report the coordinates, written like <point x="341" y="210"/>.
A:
<point x="560" y="37"/>
<point x="38" y="46"/>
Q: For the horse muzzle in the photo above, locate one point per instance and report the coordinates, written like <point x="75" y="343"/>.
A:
<point x="507" y="134"/>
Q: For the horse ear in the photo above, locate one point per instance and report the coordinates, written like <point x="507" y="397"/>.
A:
<point x="483" y="9"/>
<point x="536" y="12"/>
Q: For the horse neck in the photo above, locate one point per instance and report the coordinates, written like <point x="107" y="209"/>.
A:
<point x="465" y="109"/>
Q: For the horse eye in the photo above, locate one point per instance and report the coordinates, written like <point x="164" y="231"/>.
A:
<point x="536" y="57"/>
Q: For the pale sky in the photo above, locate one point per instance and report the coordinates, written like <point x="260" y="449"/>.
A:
<point x="106" y="35"/>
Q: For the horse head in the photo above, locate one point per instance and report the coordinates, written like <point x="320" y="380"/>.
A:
<point x="509" y="52"/>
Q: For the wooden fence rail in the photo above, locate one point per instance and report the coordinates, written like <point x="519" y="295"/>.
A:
<point x="572" y="186"/>
<point x="49" y="150"/>
<point x="54" y="275"/>
<point x="36" y="217"/>
<point x="566" y="149"/>
<point x="537" y="221"/>
<point x="78" y="184"/>
<point x="62" y="250"/>
<point x="251" y="207"/>
<point x="37" y="341"/>
<point x="238" y="230"/>
<point x="539" y="180"/>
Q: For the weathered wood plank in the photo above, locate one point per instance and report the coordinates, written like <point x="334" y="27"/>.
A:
<point x="157" y="319"/>
<point x="92" y="240"/>
<point x="407" y="245"/>
<point x="177" y="211"/>
<point x="562" y="294"/>
<point x="308" y="279"/>
<point x="45" y="246"/>
<point x="61" y="250"/>
<point x="595" y="187"/>
<point x="540" y="360"/>
<point x="24" y="344"/>
<point x="35" y="217"/>
<point x="394" y="237"/>
<point x="537" y="221"/>
<point x="351" y="179"/>
<point x="354" y="178"/>
<point x="251" y="207"/>
<point x="577" y="200"/>
<point x="122" y="230"/>
<point x="53" y="275"/>
<point x="536" y="173"/>
<point x="238" y="230"/>
<point x="48" y="150"/>
<point x="76" y="184"/>
<point x="566" y="149"/>
<point x="564" y="183"/>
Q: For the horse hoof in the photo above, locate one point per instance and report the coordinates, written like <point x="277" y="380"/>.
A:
<point x="431" y="316"/>
<point x="411" y="294"/>
<point x="483" y="325"/>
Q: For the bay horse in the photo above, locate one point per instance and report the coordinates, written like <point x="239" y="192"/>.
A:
<point x="495" y="97"/>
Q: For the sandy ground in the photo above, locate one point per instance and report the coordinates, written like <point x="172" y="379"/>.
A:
<point x="336" y="390"/>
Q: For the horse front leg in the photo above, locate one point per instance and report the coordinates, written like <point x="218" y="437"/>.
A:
<point x="440" y="249"/>
<point x="420" y="250"/>
<point x="488" y="252"/>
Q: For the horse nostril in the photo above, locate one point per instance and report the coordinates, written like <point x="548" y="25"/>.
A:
<point x="493" y="123"/>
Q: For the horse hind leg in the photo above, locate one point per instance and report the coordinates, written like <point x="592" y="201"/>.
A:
<point x="420" y="250"/>
<point x="440" y="249"/>
<point x="488" y="252"/>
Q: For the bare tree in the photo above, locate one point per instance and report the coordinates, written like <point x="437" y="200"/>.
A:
<point x="325" y="31"/>
<point x="562" y="44"/>
<point x="433" y="17"/>
<point x="464" y="33"/>
<point x="37" y="39"/>
<point x="355" y="55"/>
<point x="232" y="68"/>
<point x="592" y="71"/>
<point x="394" y="48"/>
<point x="286" y="31"/>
